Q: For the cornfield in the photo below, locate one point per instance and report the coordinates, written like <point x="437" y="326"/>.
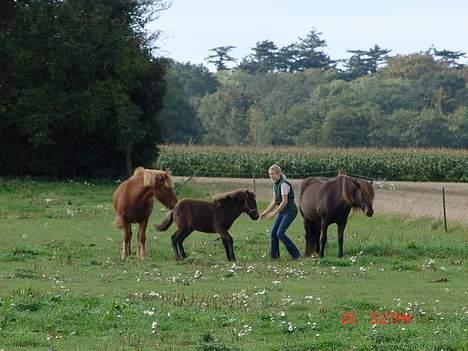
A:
<point x="386" y="164"/>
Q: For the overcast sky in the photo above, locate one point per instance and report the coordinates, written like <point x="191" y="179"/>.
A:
<point x="192" y="27"/>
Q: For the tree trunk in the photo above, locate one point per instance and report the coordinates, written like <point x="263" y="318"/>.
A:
<point x="128" y="159"/>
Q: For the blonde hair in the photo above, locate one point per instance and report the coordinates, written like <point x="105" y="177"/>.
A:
<point x="274" y="167"/>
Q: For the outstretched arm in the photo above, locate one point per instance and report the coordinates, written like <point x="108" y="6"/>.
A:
<point x="280" y="207"/>
<point x="268" y="209"/>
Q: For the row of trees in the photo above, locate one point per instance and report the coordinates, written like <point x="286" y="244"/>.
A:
<point x="310" y="52"/>
<point x="298" y="95"/>
<point x="80" y="91"/>
<point x="418" y="100"/>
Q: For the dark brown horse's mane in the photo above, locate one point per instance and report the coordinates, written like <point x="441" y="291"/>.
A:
<point x="235" y="194"/>
<point x="348" y="195"/>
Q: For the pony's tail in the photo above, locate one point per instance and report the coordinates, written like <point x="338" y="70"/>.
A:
<point x="117" y="222"/>
<point x="166" y="223"/>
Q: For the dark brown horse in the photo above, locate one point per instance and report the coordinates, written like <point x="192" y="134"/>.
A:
<point x="133" y="203"/>
<point x="209" y="217"/>
<point x="325" y="201"/>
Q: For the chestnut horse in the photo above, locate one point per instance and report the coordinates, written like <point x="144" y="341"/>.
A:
<point x="133" y="203"/>
<point x="209" y="217"/>
<point x="325" y="201"/>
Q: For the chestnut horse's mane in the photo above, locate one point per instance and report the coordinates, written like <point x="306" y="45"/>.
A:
<point x="150" y="176"/>
<point x="366" y="189"/>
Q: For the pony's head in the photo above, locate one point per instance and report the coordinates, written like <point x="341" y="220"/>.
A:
<point x="250" y="205"/>
<point x="244" y="198"/>
<point x="162" y="185"/>
<point x="358" y="194"/>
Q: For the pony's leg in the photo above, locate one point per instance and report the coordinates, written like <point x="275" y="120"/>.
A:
<point x="127" y="239"/>
<point x="316" y="228"/>
<point x="142" y="239"/>
<point x="341" y="228"/>
<point x="175" y="246"/>
<point x="228" y="245"/>
<point x="309" y="238"/>
<point x="323" y="239"/>
<point x="182" y="237"/>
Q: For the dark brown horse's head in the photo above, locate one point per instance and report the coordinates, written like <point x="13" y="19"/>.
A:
<point x="250" y="206"/>
<point x="246" y="199"/>
<point x="358" y="194"/>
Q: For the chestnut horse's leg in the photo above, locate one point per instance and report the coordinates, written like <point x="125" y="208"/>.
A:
<point x="323" y="239"/>
<point x="341" y="228"/>
<point x="228" y="245"/>
<point x="127" y="239"/>
<point x="142" y="239"/>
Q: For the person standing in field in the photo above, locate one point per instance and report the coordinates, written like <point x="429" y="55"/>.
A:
<point x="285" y="212"/>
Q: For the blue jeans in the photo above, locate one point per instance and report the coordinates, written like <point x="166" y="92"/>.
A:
<point x="278" y="233"/>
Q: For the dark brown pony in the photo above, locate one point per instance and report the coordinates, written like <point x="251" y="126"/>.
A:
<point x="209" y="217"/>
<point x="133" y="203"/>
<point x="325" y="201"/>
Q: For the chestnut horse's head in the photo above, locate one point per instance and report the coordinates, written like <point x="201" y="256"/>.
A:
<point x="359" y="194"/>
<point x="164" y="192"/>
<point x="162" y="185"/>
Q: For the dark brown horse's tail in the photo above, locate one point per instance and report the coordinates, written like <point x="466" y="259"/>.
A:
<point x="166" y="223"/>
<point x="117" y="222"/>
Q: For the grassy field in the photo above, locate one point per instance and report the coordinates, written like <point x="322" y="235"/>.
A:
<point x="63" y="285"/>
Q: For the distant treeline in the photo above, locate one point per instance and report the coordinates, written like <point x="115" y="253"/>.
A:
<point x="298" y="95"/>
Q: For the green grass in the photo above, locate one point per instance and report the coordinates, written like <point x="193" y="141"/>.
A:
<point x="63" y="285"/>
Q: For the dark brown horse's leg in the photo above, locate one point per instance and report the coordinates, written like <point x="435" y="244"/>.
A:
<point x="127" y="239"/>
<point x="309" y="239"/>
<point x="142" y="239"/>
<point x="228" y="245"/>
<point x="175" y="246"/>
<point x="323" y="239"/>
<point x="341" y="228"/>
<point x="316" y="228"/>
<point x="182" y="237"/>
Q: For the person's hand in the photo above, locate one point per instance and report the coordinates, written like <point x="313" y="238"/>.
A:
<point x="271" y="215"/>
<point x="261" y="216"/>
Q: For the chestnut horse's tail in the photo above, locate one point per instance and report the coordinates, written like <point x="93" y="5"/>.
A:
<point x="166" y="223"/>
<point x="117" y="222"/>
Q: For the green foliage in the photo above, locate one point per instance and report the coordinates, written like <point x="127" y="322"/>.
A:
<point x="389" y="164"/>
<point x="404" y="104"/>
<point x="364" y="62"/>
<point x="82" y="90"/>
<point x="220" y="56"/>
<point x="187" y="84"/>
